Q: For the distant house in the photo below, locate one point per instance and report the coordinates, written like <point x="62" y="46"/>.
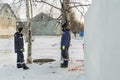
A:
<point x="7" y="21"/>
<point x="42" y="24"/>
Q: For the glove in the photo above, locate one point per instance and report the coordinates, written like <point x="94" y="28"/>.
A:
<point x="63" y="47"/>
<point x="22" y="49"/>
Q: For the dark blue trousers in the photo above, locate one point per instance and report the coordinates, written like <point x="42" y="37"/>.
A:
<point x="65" y="56"/>
<point x="20" y="59"/>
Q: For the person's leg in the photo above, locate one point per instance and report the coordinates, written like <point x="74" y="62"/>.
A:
<point x="22" y="61"/>
<point x="65" y="58"/>
<point x="18" y="60"/>
<point x="62" y="55"/>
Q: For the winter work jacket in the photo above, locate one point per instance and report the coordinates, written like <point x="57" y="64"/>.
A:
<point x="65" y="39"/>
<point x="18" y="42"/>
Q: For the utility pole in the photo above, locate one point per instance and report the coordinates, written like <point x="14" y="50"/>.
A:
<point x="29" y="35"/>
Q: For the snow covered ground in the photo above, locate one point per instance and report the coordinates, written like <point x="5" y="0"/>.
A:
<point x="44" y="47"/>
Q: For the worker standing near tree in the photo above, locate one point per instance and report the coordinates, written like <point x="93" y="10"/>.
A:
<point x="19" y="48"/>
<point x="65" y="44"/>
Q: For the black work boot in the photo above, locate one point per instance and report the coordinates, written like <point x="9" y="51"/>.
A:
<point x="63" y="65"/>
<point x="19" y="66"/>
<point x="25" y="67"/>
<point x="66" y="63"/>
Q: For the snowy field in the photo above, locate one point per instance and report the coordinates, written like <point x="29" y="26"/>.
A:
<point x="44" y="47"/>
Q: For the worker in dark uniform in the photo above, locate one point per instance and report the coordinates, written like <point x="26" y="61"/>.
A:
<point x="19" y="48"/>
<point x="65" y="44"/>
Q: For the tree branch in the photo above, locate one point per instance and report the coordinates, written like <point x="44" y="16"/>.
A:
<point x="79" y="5"/>
<point x="75" y="3"/>
<point x="49" y="4"/>
<point x="17" y="1"/>
<point x="80" y="11"/>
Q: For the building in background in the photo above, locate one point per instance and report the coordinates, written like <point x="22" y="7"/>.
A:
<point x="7" y="21"/>
<point x="43" y="24"/>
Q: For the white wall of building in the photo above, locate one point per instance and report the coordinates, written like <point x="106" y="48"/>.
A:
<point x="102" y="41"/>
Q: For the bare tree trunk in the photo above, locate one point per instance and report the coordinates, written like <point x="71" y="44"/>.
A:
<point x="65" y="7"/>
<point x="31" y="8"/>
<point x="29" y="58"/>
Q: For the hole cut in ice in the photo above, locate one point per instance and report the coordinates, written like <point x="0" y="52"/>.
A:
<point x="41" y="61"/>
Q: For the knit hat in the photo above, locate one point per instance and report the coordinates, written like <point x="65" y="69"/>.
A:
<point x="20" y="29"/>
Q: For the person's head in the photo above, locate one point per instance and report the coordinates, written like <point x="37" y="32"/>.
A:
<point x="64" y="25"/>
<point x="20" y="29"/>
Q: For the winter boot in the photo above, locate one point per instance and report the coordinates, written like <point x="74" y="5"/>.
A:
<point x="25" y="67"/>
<point x="63" y="65"/>
<point x="19" y="66"/>
<point x="66" y="62"/>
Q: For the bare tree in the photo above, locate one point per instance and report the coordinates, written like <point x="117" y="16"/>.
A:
<point x="66" y="7"/>
<point x="17" y="4"/>
<point x="64" y="17"/>
<point x="28" y="12"/>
